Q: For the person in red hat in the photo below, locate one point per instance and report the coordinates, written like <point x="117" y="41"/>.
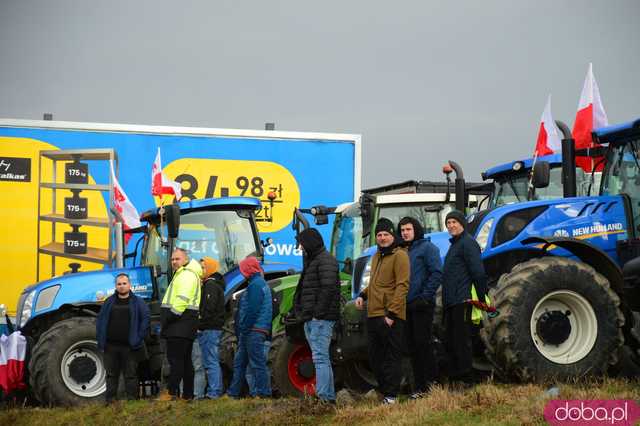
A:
<point x="253" y="327"/>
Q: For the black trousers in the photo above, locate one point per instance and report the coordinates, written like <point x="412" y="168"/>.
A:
<point x="119" y="359"/>
<point x="457" y="324"/>
<point x="423" y="360"/>
<point x="385" y="353"/>
<point x="181" y="367"/>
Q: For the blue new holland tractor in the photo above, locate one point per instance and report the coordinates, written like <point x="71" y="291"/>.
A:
<point x="58" y="315"/>
<point x="564" y="268"/>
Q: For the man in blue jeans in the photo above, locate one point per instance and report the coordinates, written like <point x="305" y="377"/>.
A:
<point x="253" y="327"/>
<point x="317" y="303"/>
<point x="210" y="330"/>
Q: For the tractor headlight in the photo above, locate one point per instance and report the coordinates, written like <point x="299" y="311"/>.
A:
<point x="361" y="275"/>
<point x="27" y="308"/>
<point x="483" y="235"/>
<point x="366" y="275"/>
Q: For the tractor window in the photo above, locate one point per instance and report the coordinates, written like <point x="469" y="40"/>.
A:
<point x="347" y="238"/>
<point x="222" y="235"/>
<point x="154" y="254"/>
<point x="622" y="175"/>
<point x="428" y="217"/>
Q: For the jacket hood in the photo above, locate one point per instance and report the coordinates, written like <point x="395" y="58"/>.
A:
<point x="418" y="230"/>
<point x="311" y="240"/>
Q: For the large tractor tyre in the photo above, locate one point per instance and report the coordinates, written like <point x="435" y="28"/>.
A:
<point x="292" y="370"/>
<point x="66" y="367"/>
<point x="559" y="319"/>
<point x="628" y="365"/>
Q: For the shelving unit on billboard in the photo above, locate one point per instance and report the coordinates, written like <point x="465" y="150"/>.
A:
<point x="54" y="248"/>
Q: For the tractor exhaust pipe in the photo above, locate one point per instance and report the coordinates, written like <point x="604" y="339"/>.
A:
<point x="568" y="161"/>
<point x="461" y="196"/>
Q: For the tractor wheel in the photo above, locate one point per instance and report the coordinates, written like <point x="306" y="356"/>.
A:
<point x="66" y="367"/>
<point x="559" y="319"/>
<point x="293" y="373"/>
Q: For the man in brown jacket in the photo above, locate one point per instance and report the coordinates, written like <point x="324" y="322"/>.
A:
<point x="386" y="309"/>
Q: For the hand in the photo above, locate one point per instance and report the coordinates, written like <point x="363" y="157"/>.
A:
<point x="389" y="321"/>
<point x="360" y="303"/>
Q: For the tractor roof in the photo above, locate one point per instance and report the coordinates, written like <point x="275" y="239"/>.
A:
<point x="225" y="203"/>
<point x="525" y="164"/>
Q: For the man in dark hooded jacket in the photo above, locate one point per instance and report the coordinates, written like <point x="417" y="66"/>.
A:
<point x="426" y="276"/>
<point x="317" y="303"/>
<point x="462" y="269"/>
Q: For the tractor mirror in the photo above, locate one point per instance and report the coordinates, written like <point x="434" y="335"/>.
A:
<point x="541" y="172"/>
<point x="172" y="216"/>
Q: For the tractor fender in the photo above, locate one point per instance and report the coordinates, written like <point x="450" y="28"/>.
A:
<point x="587" y="253"/>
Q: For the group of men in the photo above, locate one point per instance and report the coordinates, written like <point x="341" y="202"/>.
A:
<point x="192" y="316"/>
<point x="406" y="272"/>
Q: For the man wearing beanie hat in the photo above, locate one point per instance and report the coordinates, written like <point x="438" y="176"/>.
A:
<point x="386" y="309"/>
<point x="462" y="269"/>
<point x="426" y="276"/>
<point x="210" y="330"/>
<point x="253" y="327"/>
<point x="317" y="304"/>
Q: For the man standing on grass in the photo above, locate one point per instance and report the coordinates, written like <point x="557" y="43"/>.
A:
<point x="386" y="310"/>
<point x="121" y="327"/>
<point x="426" y="275"/>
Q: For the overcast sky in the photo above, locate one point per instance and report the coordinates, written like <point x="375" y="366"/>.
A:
<point x="422" y="81"/>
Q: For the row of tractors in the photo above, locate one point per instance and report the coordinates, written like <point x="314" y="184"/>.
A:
<point x="563" y="266"/>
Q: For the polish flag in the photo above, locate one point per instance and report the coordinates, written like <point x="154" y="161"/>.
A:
<point x="13" y="349"/>
<point x="160" y="184"/>
<point x="590" y="115"/>
<point x="128" y="213"/>
<point x="549" y="135"/>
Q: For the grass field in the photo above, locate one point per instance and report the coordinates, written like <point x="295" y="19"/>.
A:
<point x="489" y="404"/>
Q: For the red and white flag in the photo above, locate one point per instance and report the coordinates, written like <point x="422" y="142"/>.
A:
<point x="549" y="135"/>
<point x="590" y="115"/>
<point x="13" y="350"/>
<point x="162" y="185"/>
<point x="128" y="213"/>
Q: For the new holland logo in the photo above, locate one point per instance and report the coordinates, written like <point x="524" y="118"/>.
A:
<point x="561" y="233"/>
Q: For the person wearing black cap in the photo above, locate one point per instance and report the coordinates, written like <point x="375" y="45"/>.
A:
<point x="317" y="304"/>
<point x="462" y="269"/>
<point x="386" y="309"/>
<point x="426" y="275"/>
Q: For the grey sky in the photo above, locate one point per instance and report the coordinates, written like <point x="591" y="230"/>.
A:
<point x="422" y="81"/>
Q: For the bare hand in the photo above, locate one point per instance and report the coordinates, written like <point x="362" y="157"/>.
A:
<point x="360" y="303"/>
<point x="389" y="321"/>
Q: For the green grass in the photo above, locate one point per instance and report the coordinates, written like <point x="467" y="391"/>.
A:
<point x="489" y="404"/>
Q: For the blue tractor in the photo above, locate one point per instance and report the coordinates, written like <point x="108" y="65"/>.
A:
<point x="555" y="259"/>
<point x="58" y="315"/>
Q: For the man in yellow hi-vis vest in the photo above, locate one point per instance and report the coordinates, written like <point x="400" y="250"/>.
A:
<point x="179" y="316"/>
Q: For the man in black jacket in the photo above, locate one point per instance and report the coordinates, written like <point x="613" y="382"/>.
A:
<point x="462" y="269"/>
<point x="210" y="328"/>
<point x="317" y="303"/>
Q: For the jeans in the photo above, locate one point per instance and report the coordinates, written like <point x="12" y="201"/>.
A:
<point x="250" y="353"/>
<point x="318" y="333"/>
<point x="250" y="376"/>
<point x="118" y="358"/>
<point x="209" y="345"/>
<point x="181" y="368"/>
<point x="199" y="381"/>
